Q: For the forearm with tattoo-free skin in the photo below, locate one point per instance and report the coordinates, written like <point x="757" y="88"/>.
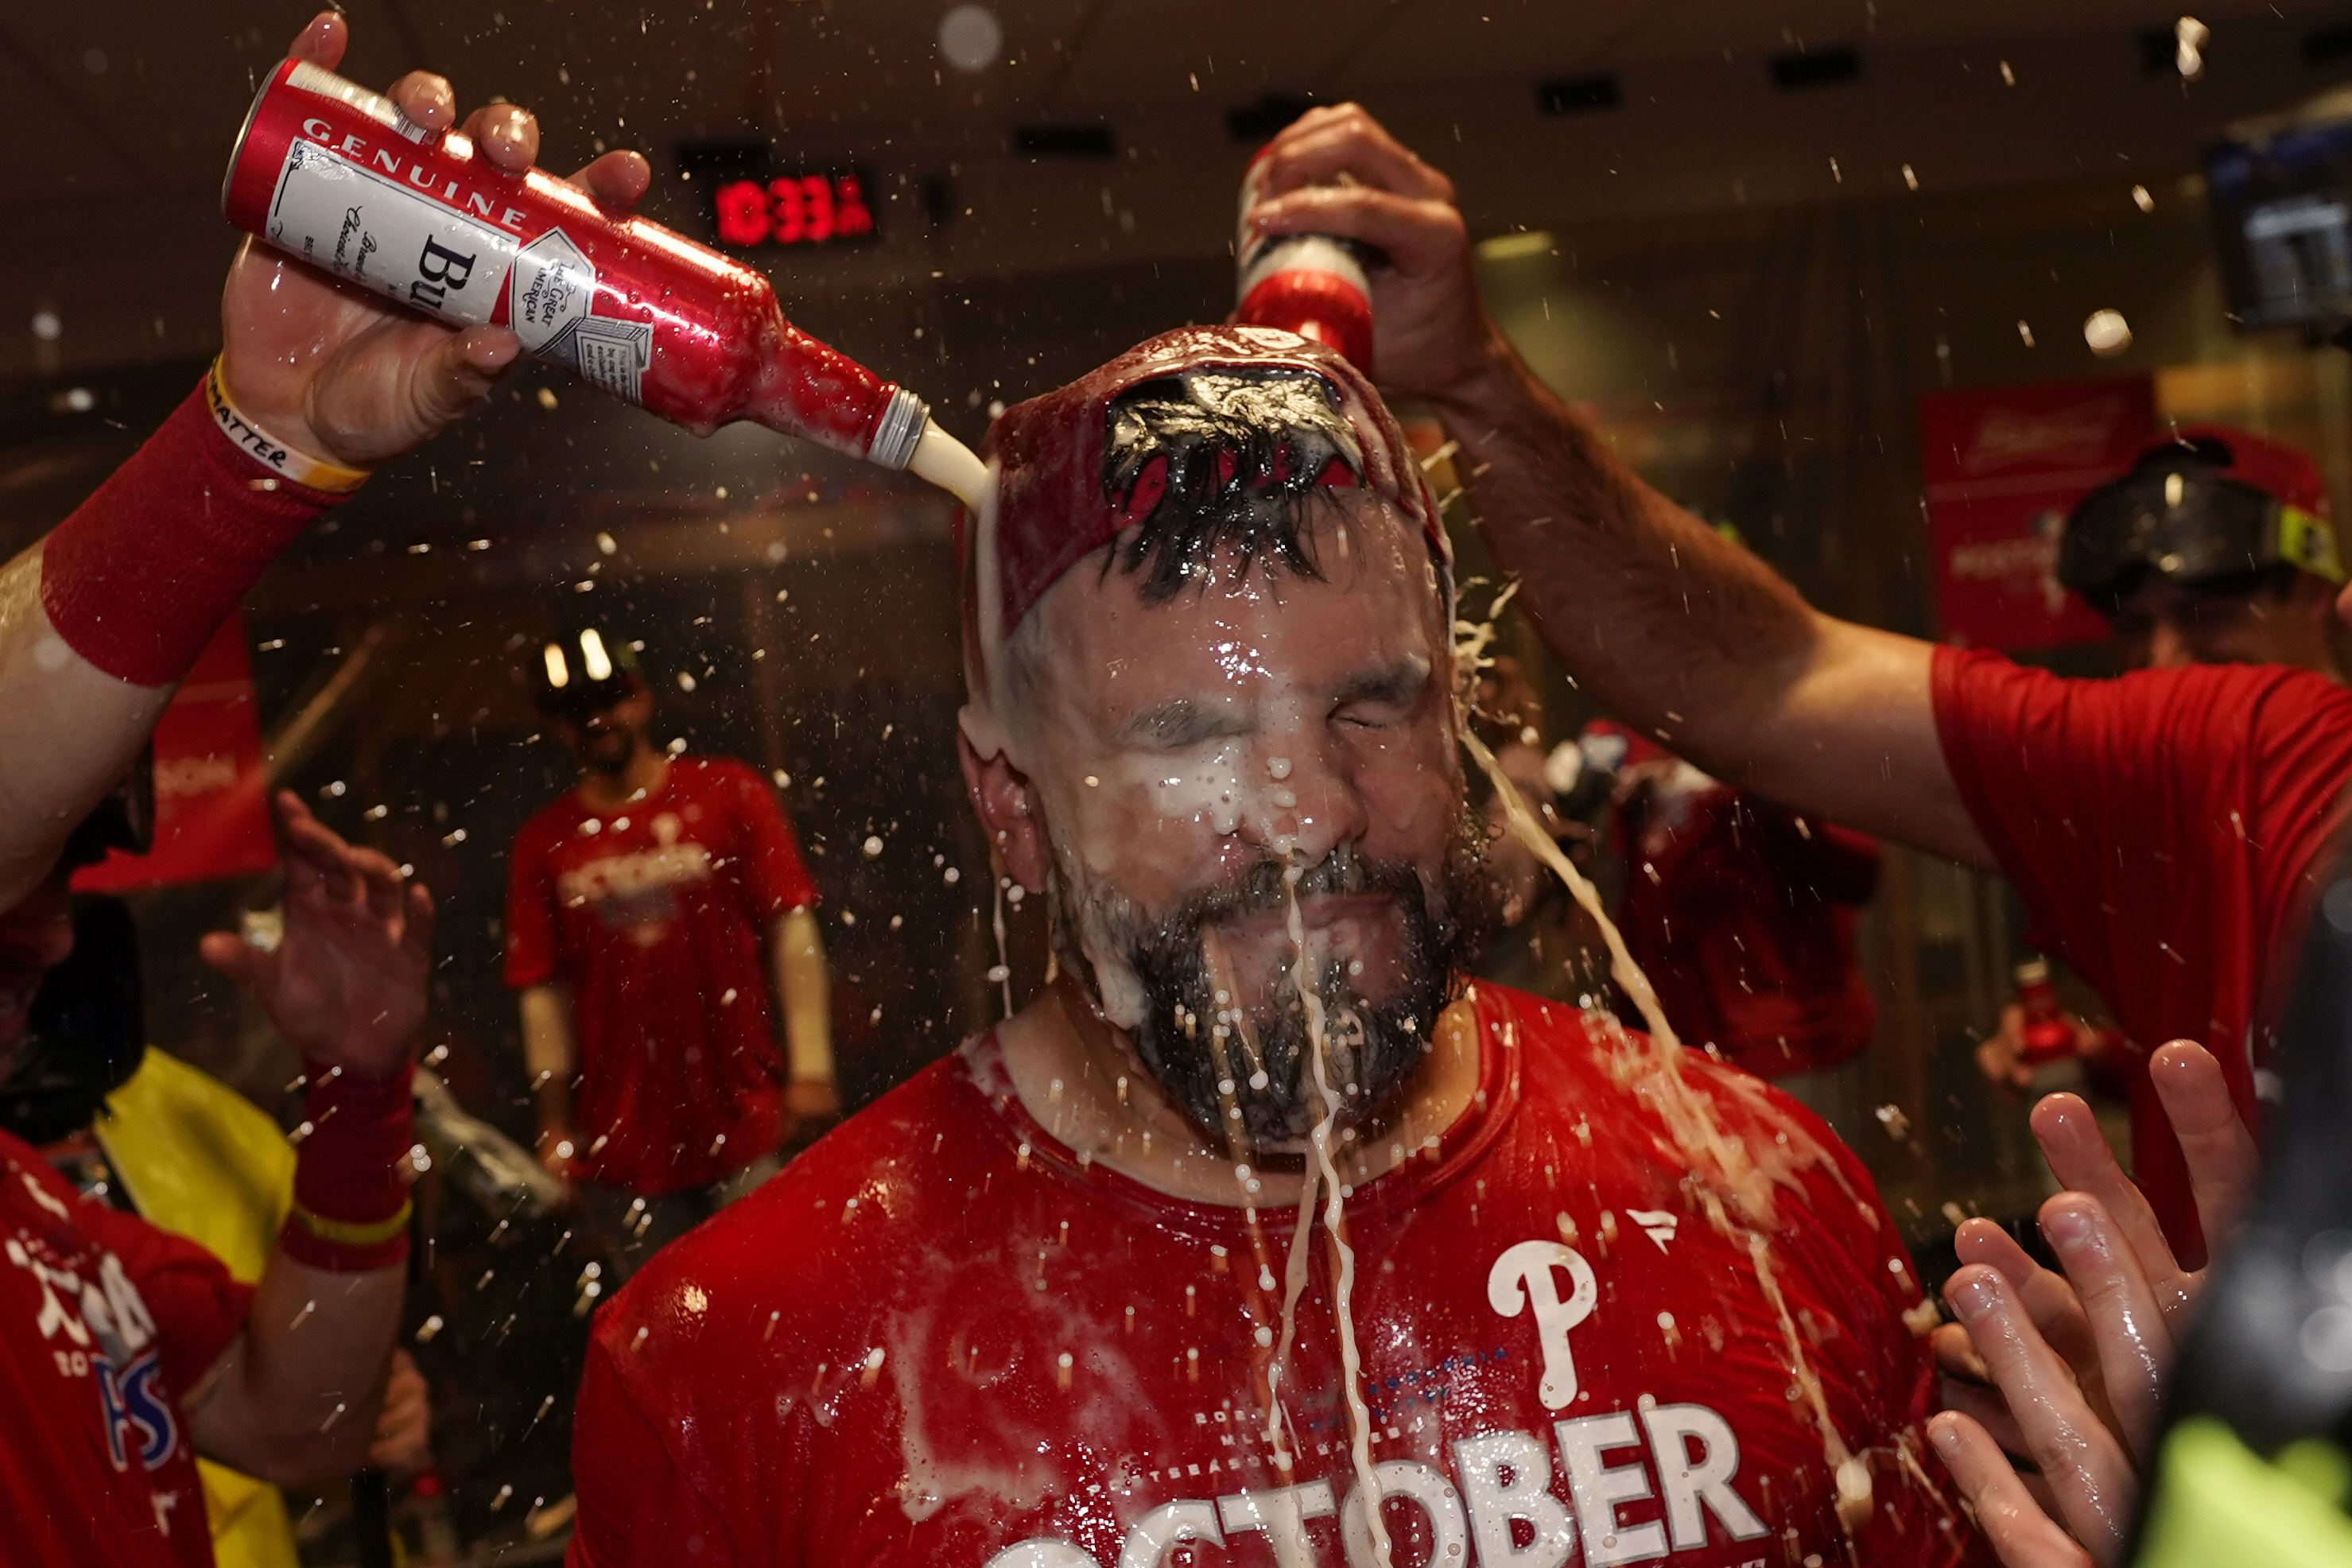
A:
<point x="1691" y="638"/>
<point x="1676" y="630"/>
<point x="804" y="988"/>
<point x="67" y="729"/>
<point x="294" y="1398"/>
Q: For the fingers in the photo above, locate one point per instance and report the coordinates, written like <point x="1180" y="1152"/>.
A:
<point x="2134" y="1346"/>
<point x="343" y="872"/>
<point x="506" y="134"/>
<point x="618" y="180"/>
<point x="2079" y="1157"/>
<point x="1956" y="1354"/>
<point x="426" y="99"/>
<point x="416" y="929"/>
<point x="2048" y="1298"/>
<point x="2088" y="1473"/>
<point x="2016" y="1525"/>
<point x="233" y="956"/>
<point x="1417" y="235"/>
<point x="1344" y="142"/>
<point x="321" y="41"/>
<point x="2222" y="1164"/>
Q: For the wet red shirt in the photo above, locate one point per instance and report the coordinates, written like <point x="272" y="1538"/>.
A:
<point x="103" y="1318"/>
<point x="656" y="917"/>
<point x="1742" y="916"/>
<point x="938" y="1338"/>
<point x="2164" y="830"/>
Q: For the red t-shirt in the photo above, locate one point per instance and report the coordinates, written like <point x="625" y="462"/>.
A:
<point x="656" y="917"/>
<point x="939" y="1337"/>
<point x="1742" y="916"/>
<point x="102" y="1318"/>
<point x="2164" y="830"/>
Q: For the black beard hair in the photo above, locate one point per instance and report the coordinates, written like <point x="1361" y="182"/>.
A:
<point x="1372" y="1049"/>
<point x="614" y="769"/>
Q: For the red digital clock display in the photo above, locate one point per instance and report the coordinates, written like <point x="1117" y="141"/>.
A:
<point x="792" y="209"/>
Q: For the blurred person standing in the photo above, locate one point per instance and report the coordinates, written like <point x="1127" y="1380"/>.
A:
<point x="2212" y="547"/>
<point x="1742" y="914"/>
<point x="649" y="912"/>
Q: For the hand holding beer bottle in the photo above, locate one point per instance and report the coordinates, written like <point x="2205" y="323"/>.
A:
<point x="348" y="375"/>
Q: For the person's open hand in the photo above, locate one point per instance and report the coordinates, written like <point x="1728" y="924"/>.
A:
<point x="1336" y="171"/>
<point x="2066" y="1375"/>
<point x="346" y="980"/>
<point x="346" y="374"/>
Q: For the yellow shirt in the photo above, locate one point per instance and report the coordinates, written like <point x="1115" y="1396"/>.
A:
<point x="201" y="1161"/>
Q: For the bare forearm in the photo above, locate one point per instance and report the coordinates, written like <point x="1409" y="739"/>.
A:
<point x="1674" y="629"/>
<point x="1694" y="641"/>
<point x="804" y="987"/>
<point x="294" y="1399"/>
<point x="67" y="731"/>
<point x="549" y="1055"/>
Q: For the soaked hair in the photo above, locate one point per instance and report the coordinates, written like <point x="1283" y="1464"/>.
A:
<point x="1207" y="462"/>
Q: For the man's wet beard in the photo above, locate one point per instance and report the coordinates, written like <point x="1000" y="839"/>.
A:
<point x="1260" y="1067"/>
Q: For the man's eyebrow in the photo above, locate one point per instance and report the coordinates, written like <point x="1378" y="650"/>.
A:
<point x="1181" y="722"/>
<point x="1399" y="684"/>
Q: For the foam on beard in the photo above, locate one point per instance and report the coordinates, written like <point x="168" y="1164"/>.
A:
<point x="1232" y="1049"/>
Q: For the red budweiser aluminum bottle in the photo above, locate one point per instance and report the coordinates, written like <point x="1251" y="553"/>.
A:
<point x="1312" y="284"/>
<point x="337" y="177"/>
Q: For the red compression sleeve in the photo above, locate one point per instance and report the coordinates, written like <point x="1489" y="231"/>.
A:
<point x="351" y="1207"/>
<point x="144" y="573"/>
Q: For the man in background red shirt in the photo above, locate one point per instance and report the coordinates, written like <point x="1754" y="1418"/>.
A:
<point x="1063" y="1300"/>
<point x="647" y="910"/>
<point x="2212" y="547"/>
<point x="1742" y="914"/>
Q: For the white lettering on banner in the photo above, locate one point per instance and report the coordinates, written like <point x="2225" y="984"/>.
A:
<point x="1280" y="1514"/>
<point x="1687" y="1484"/>
<point x="1449" y="1529"/>
<point x="1507" y="1478"/>
<point x="384" y="235"/>
<point x="1147" y="1543"/>
<point x="1505" y="1494"/>
<point x="1599" y="1488"/>
<point x="1521" y="1277"/>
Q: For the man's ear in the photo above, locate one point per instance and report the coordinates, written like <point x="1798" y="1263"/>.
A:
<point x="1009" y="810"/>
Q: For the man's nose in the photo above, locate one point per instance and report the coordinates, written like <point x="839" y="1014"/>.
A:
<point x="1309" y="800"/>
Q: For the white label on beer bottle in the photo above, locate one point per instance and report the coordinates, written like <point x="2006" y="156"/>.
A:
<point x="382" y="234"/>
<point x="555" y="287"/>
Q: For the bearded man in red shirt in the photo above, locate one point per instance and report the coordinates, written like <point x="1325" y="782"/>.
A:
<point x="1259" y="1213"/>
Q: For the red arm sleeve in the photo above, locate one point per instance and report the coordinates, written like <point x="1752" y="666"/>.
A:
<point x="199" y="1309"/>
<point x="773" y="869"/>
<point x="144" y="573"/>
<point x="635" y="1507"/>
<point x="531" y="912"/>
<point x="2161" y="826"/>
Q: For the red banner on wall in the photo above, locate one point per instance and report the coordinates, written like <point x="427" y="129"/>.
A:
<point x="2003" y="464"/>
<point x="212" y="795"/>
